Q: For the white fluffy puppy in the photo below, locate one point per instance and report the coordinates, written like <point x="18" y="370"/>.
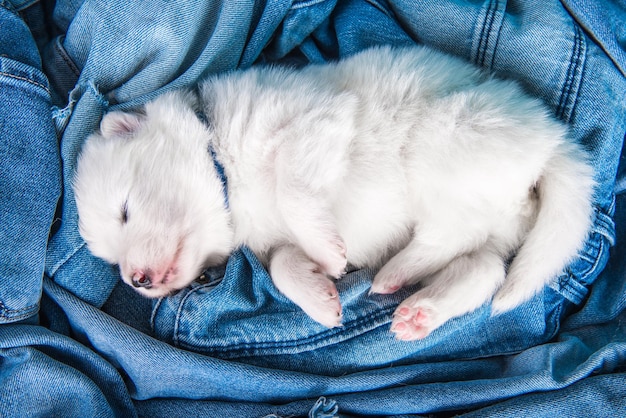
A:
<point x="405" y="159"/>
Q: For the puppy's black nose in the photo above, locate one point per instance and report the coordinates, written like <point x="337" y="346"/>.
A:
<point x="142" y="280"/>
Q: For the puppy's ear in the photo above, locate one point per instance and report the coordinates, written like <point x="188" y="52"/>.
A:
<point x="120" y="124"/>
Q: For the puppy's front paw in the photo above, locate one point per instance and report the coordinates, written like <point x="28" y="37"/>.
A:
<point x="305" y="283"/>
<point x="330" y="253"/>
<point x="321" y="302"/>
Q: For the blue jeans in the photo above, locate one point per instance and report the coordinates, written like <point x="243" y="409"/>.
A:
<point x="76" y="342"/>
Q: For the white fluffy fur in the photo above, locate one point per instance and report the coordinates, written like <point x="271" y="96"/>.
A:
<point x="402" y="158"/>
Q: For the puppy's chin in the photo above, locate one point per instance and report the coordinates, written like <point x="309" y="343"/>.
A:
<point x="215" y="260"/>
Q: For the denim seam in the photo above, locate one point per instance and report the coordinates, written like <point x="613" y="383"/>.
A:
<point x="17" y="314"/>
<point x="568" y="97"/>
<point x="179" y="315"/>
<point x="564" y="281"/>
<point x="485" y="33"/>
<point x="556" y="322"/>
<point x="28" y="80"/>
<point x="360" y="323"/>
<point x="596" y="263"/>
<point x="66" y="58"/>
<point x="179" y="311"/>
<point x="563" y="285"/>
<point x="491" y="41"/>
<point x="154" y="314"/>
<point x="605" y="225"/>
<point x="496" y="40"/>
<point x="65" y="259"/>
<point x="594" y="37"/>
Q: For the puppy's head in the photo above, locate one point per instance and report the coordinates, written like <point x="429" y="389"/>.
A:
<point x="149" y="197"/>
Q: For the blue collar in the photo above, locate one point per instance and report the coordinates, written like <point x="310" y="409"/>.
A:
<point x="218" y="166"/>
<point x="220" y="172"/>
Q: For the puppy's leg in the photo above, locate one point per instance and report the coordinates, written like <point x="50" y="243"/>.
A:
<point x="462" y="286"/>
<point x="313" y="227"/>
<point x="419" y="259"/>
<point x="304" y="282"/>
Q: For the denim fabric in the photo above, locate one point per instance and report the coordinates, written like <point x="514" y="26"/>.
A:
<point x="30" y="182"/>
<point x="231" y="345"/>
<point x="604" y="22"/>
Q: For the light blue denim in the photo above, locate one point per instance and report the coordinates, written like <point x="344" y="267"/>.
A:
<point x="75" y="342"/>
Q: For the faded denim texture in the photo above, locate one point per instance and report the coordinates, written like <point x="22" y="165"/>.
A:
<point x="75" y="341"/>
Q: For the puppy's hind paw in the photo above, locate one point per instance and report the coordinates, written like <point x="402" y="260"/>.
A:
<point x="411" y="324"/>
<point x="319" y="299"/>
<point x="387" y="282"/>
<point x="509" y="297"/>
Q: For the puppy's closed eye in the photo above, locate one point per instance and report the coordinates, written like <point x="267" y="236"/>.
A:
<point x="124" y="213"/>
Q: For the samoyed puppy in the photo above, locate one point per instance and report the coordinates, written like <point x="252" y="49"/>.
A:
<point x="405" y="160"/>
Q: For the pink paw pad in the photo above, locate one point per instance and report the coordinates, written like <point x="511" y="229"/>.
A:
<point x="411" y="324"/>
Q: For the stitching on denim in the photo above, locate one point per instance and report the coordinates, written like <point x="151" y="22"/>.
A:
<point x="593" y="258"/>
<point x="604" y="225"/>
<point x="248" y="349"/>
<point x="64" y="260"/>
<point x="179" y="310"/>
<point x="153" y="314"/>
<point x="16" y="314"/>
<point x="601" y="250"/>
<point x="564" y="287"/>
<point x="177" y="319"/>
<point x="484" y="33"/>
<point x="573" y="73"/>
<point x="28" y="80"/>
<point x="497" y="38"/>
<point x="556" y="323"/>
<point x="568" y="80"/>
<point x="66" y="58"/>
<point x="3" y="308"/>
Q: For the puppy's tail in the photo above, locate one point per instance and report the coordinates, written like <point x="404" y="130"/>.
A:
<point x="562" y="224"/>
